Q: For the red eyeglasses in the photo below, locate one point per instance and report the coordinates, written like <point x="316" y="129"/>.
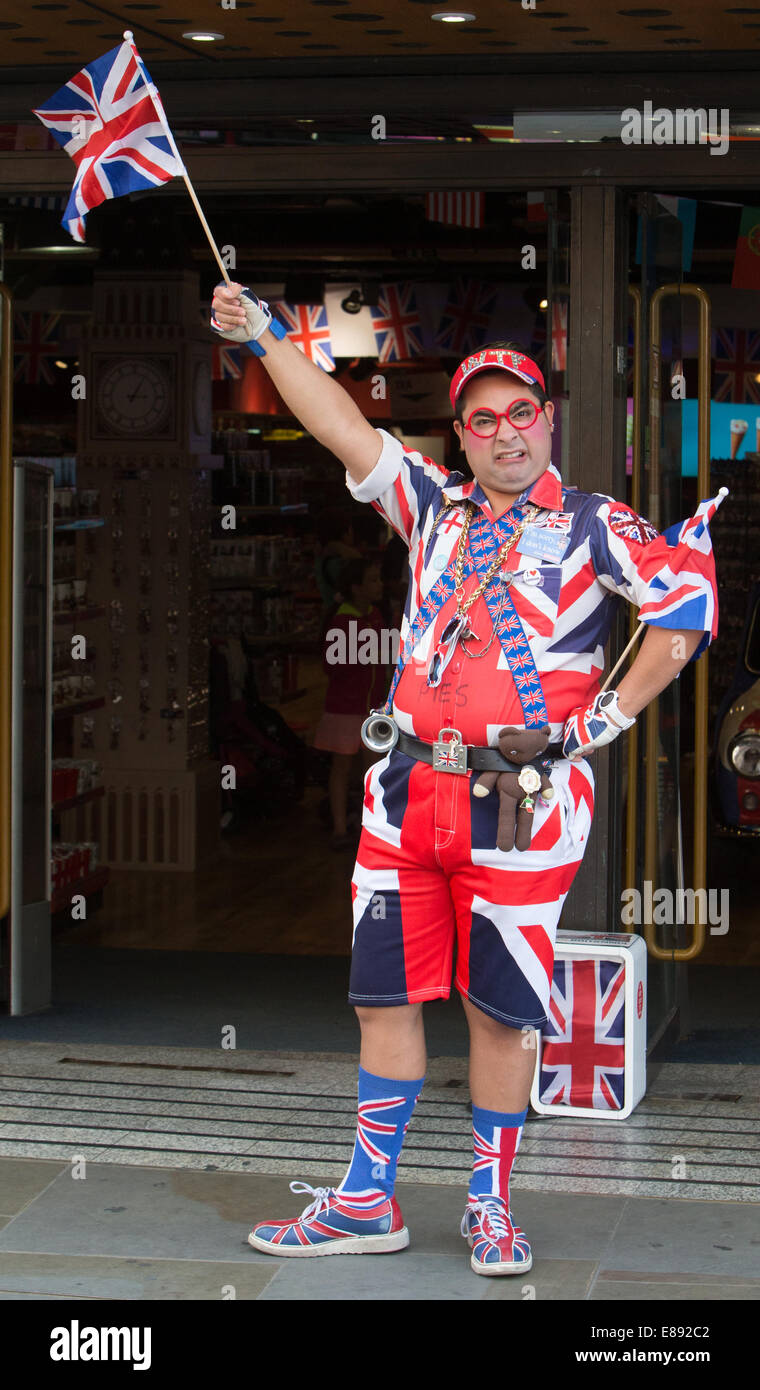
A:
<point x="484" y="422"/>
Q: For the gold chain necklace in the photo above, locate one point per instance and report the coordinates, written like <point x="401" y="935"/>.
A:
<point x="463" y="608"/>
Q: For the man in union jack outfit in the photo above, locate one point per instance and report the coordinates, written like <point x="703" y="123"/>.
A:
<point x="476" y="819"/>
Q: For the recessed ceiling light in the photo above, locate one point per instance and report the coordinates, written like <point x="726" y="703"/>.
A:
<point x="202" y="35"/>
<point x="453" y="16"/>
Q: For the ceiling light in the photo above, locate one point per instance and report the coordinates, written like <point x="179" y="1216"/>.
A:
<point x="202" y="35"/>
<point x="544" y="304"/>
<point x="453" y="16"/>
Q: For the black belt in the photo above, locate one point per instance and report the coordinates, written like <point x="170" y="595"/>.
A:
<point x="480" y="759"/>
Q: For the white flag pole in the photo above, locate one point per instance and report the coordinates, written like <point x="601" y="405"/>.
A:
<point x="158" y="107"/>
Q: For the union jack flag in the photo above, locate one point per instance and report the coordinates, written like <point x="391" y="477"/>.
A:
<point x="225" y="363"/>
<point x="466" y="317"/>
<point x="33" y="344"/>
<point x="107" y="118"/>
<point x="680" y="569"/>
<point x="396" y="321"/>
<point x="307" y="326"/>
<point x="583" y="1048"/>
<point x="736" y="362"/>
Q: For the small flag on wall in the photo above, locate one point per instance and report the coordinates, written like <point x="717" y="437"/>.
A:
<point x="536" y="207"/>
<point x="396" y="321"/>
<point x="34" y="346"/>
<point x="746" y="274"/>
<point x="736" y="363"/>
<point x="466" y="317"/>
<point x="225" y="362"/>
<point x="307" y="327"/>
<point x="463" y="209"/>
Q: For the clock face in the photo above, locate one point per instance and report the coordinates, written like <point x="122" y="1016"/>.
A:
<point x="201" y="397"/>
<point x="134" y="397"/>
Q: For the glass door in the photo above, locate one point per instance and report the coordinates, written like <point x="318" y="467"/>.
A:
<point x="653" y="854"/>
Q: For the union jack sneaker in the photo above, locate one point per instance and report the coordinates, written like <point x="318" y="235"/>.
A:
<point x="498" y="1246"/>
<point x="333" y="1225"/>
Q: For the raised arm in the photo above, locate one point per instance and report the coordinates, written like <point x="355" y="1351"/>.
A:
<point x="321" y="405"/>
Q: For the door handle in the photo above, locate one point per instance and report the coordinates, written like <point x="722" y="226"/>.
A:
<point x="683" y="953"/>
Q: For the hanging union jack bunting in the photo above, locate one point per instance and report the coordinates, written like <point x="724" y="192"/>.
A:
<point x="108" y="119"/>
<point x="736" y="363"/>
<point x="307" y="327"/>
<point x="583" y="1047"/>
<point x="396" y="321"/>
<point x="466" y="317"/>
<point x="34" y="347"/>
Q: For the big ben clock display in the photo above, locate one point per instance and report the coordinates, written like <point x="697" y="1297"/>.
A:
<point x="134" y="397"/>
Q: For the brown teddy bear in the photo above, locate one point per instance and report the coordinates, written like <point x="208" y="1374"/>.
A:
<point x="515" y="804"/>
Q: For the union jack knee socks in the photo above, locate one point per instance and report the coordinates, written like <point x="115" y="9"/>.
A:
<point x="496" y="1139"/>
<point x="385" y="1109"/>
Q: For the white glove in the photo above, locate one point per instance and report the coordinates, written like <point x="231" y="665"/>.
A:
<point x="257" y="316"/>
<point x="592" y="726"/>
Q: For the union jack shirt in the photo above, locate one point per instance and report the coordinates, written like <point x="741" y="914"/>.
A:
<point x="566" y="606"/>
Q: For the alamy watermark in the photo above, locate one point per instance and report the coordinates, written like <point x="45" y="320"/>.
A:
<point x="659" y="125"/>
<point x="666" y="907"/>
<point x="365" y="646"/>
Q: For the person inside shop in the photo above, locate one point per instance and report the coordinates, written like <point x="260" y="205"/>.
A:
<point x="476" y="819"/>
<point x="335" y="545"/>
<point x="353" y="631"/>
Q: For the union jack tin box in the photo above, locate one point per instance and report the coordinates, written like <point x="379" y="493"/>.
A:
<point x="591" y="1055"/>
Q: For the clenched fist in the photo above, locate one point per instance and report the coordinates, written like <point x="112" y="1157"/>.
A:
<point x="237" y="314"/>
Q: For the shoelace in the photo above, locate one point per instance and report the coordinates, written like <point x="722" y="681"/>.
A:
<point x="321" y="1196"/>
<point x="492" y="1213"/>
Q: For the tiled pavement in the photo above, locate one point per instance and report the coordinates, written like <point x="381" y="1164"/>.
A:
<point x="184" y="1151"/>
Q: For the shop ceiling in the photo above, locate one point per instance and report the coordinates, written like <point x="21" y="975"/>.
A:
<point x="51" y="39"/>
<point x="45" y="33"/>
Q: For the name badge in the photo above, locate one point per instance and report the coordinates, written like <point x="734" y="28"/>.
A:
<point x="542" y="544"/>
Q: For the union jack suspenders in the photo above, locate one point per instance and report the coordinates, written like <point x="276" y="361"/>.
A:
<point x="509" y="628"/>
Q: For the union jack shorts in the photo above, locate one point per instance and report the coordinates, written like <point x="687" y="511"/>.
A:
<point x="428" y="871"/>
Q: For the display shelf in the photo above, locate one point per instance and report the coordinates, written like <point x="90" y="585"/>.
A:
<point x="288" y="509"/>
<point x="281" y="639"/>
<point x="79" y="523"/>
<point x="249" y="582"/>
<point x="85" y="887"/>
<point x="80" y="707"/>
<point x="78" y="615"/>
<point x="80" y="800"/>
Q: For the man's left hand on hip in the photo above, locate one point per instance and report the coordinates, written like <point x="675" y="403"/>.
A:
<point x="592" y="726"/>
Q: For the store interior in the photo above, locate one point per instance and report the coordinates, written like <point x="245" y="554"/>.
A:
<point x="206" y="641"/>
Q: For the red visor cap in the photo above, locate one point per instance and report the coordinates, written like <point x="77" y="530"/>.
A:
<point x="499" y="359"/>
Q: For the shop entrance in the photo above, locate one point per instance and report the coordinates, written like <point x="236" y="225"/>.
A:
<point x="267" y="880"/>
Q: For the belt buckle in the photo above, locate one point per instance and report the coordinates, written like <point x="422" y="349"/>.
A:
<point x="449" y="755"/>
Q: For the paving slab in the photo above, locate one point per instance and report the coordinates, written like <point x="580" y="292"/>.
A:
<point x="706" y="1238"/>
<point x="21" y="1180"/>
<point x="98" y="1277"/>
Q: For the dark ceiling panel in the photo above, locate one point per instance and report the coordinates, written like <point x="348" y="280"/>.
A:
<point x="43" y="34"/>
